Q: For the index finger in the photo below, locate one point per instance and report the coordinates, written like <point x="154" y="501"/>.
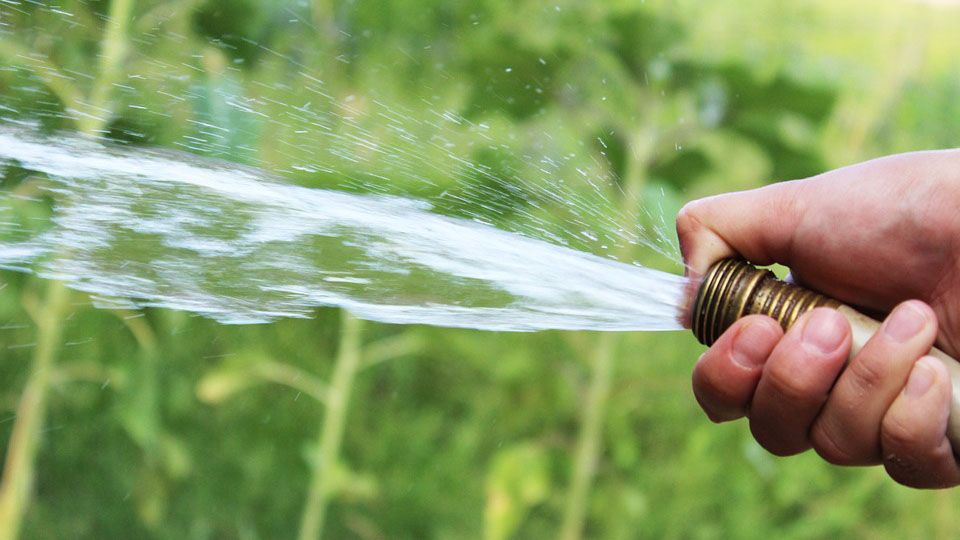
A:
<point x="726" y="376"/>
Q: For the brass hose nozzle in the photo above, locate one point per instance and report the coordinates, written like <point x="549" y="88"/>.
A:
<point x="733" y="288"/>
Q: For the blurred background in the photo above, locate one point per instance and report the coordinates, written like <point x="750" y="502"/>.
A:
<point x="162" y="424"/>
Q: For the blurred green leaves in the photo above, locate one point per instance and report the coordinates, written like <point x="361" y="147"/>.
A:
<point x="211" y="432"/>
<point x="781" y="116"/>
<point x="511" y="78"/>
<point x="240" y="28"/>
<point x="517" y="480"/>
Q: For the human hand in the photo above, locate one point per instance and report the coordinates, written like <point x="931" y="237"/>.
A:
<point x="871" y="235"/>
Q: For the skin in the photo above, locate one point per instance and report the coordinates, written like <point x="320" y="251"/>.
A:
<point x="883" y="236"/>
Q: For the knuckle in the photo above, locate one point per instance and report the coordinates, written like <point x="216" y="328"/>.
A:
<point x="718" y="401"/>
<point x="687" y="221"/>
<point x="896" y="434"/>
<point x="687" y="213"/>
<point x="944" y="452"/>
<point x="715" y="412"/>
<point x="722" y="392"/>
<point x="866" y="374"/>
<point x="725" y="399"/>
<point x="702" y="381"/>
<point x="829" y="445"/>
<point x="791" y="388"/>
<point x="788" y="204"/>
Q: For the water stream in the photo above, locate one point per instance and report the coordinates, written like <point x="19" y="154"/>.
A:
<point x="153" y="228"/>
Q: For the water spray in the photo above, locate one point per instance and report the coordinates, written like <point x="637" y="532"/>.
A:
<point x="302" y="248"/>
<point x="733" y="288"/>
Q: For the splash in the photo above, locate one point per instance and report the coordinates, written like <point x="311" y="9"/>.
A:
<point x="149" y="228"/>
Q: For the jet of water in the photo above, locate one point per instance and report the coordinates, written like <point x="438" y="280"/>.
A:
<point x="138" y="228"/>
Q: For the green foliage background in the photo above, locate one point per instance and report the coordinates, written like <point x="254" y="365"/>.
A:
<point x="161" y="424"/>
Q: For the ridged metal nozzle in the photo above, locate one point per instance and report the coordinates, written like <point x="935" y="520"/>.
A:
<point x="733" y="288"/>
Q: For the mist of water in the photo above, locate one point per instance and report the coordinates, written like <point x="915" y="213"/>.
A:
<point x="150" y="228"/>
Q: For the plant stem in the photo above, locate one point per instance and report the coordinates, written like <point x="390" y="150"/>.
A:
<point x="19" y="466"/>
<point x="18" y="470"/>
<point x="324" y="23"/>
<point x="325" y="462"/>
<point x="601" y="367"/>
<point x="144" y="394"/>
<point x="588" y="444"/>
<point x="113" y="53"/>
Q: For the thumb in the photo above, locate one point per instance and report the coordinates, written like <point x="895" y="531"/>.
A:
<point x="758" y="224"/>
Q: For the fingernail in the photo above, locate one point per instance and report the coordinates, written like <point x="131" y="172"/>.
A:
<point x="750" y="346"/>
<point x="824" y="331"/>
<point x="921" y="379"/>
<point x="905" y="322"/>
